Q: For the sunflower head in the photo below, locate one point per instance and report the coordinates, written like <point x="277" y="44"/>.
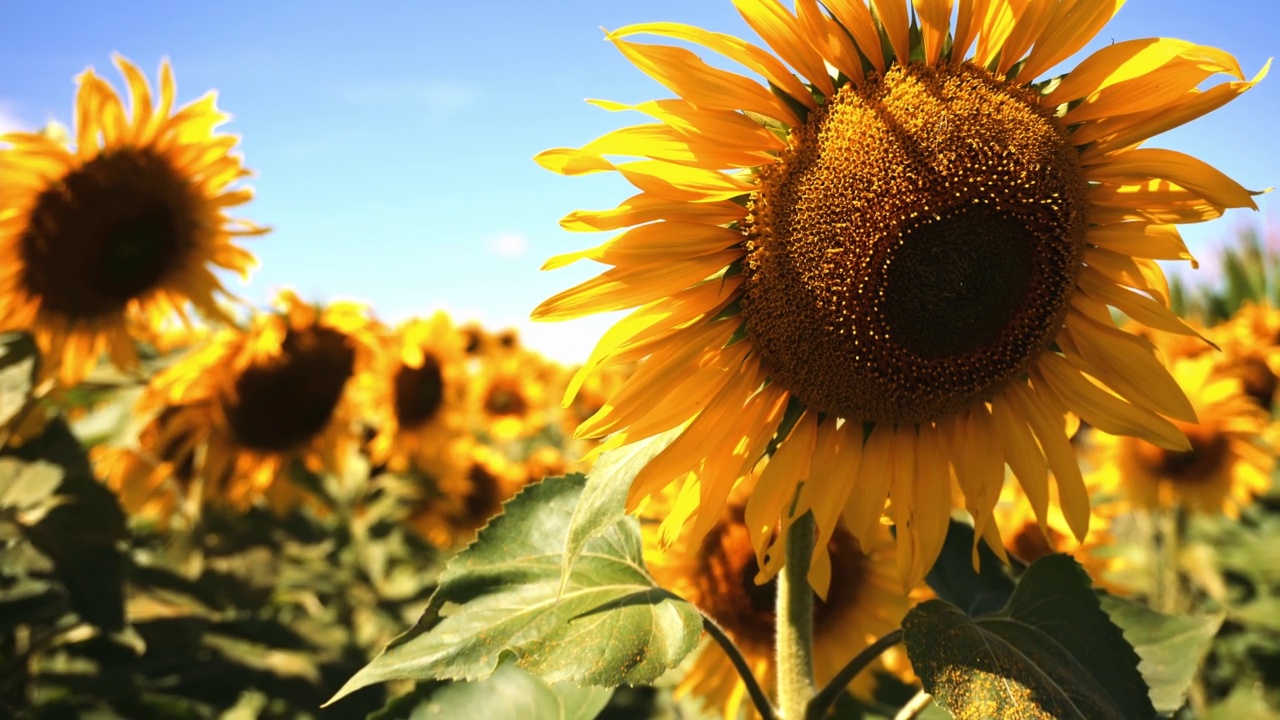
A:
<point x="889" y="251"/>
<point x="1229" y="459"/>
<point x="510" y="396"/>
<point x="123" y="229"/>
<point x="283" y="390"/>
<point x="450" y="512"/>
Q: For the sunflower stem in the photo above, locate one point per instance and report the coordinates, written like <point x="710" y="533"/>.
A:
<point x="758" y="696"/>
<point x="828" y="696"/>
<point x="794" y="644"/>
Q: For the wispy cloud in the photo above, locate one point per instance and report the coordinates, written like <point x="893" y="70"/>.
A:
<point x="508" y="245"/>
<point x="438" y="98"/>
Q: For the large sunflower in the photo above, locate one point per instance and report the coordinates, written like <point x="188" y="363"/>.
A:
<point x="278" y="393"/>
<point x="864" y="602"/>
<point x="121" y="231"/>
<point x="419" y="398"/>
<point x="901" y="266"/>
<point x="1230" y="458"/>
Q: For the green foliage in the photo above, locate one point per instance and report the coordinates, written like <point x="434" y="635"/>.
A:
<point x="1250" y="272"/>
<point x="604" y="498"/>
<point x="508" y="694"/>
<point x="501" y="598"/>
<point x="1171" y="647"/>
<point x="1050" y="653"/>
<point x="954" y="579"/>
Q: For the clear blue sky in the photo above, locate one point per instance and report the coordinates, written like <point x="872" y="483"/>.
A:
<point x="392" y="140"/>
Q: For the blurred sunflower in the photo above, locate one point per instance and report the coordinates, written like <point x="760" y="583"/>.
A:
<point x="1250" y="343"/>
<point x="419" y="397"/>
<point x="452" y="509"/>
<point x="1229" y="461"/>
<point x="920" y="241"/>
<point x="125" y="229"/>
<point x="511" y="396"/>
<point x="277" y="393"/>
<point x="864" y="602"/>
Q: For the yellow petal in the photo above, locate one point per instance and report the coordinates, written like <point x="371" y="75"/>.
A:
<point x="1139" y="307"/>
<point x="893" y="18"/>
<point x="856" y="17"/>
<point x="969" y="19"/>
<point x="685" y="183"/>
<point x="1072" y="495"/>
<point x="647" y="207"/>
<point x="1030" y="24"/>
<point x="1137" y="273"/>
<point x="935" y="23"/>
<point x="874" y="478"/>
<point x="834" y="42"/>
<point x="1140" y="239"/>
<point x="1070" y="27"/>
<point x="781" y="30"/>
<point x="1023" y="453"/>
<point x="768" y="512"/>
<point x="1187" y="172"/>
<point x="834" y="470"/>
<point x="719" y="128"/>
<point x="1101" y="408"/>
<point x="625" y="287"/>
<point x="672" y="240"/>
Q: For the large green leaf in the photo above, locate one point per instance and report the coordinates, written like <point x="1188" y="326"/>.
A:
<point x="953" y="578"/>
<point x="508" y="694"/>
<point x="501" y="597"/>
<point x="604" y="499"/>
<point x="81" y="534"/>
<point x="1171" y="647"/>
<point x="1051" y="653"/>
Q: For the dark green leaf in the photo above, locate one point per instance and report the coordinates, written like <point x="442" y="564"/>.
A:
<point x="1171" y="647"/>
<point x="81" y="534"/>
<point x="1051" y="653"/>
<point x="501" y="597"/>
<point x="604" y="499"/>
<point x="509" y="694"/>
<point x="953" y="578"/>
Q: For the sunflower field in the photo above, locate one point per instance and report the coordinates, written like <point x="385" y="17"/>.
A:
<point x="904" y="418"/>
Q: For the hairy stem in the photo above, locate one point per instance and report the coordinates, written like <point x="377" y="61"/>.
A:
<point x="795" y="623"/>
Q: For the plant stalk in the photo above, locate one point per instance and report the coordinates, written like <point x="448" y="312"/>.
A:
<point x="796" y="686"/>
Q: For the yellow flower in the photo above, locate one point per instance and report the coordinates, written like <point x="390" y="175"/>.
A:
<point x="902" y="269"/>
<point x="865" y="601"/>
<point x="155" y="480"/>
<point x="419" y="397"/>
<point x="511" y="396"/>
<point x="1228" y="462"/>
<point x="280" y="392"/>
<point x="1250" y="343"/>
<point x="122" y="231"/>
<point x="452" y="509"/>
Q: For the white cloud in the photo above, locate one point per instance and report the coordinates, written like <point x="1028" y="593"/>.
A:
<point x="509" y="245"/>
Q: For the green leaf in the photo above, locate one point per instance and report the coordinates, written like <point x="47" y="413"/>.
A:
<point x="19" y="360"/>
<point x="501" y="598"/>
<point x="977" y="592"/>
<point x="508" y="694"/>
<point x="1171" y="647"/>
<point x="26" y="487"/>
<point x="1051" y="653"/>
<point x="81" y="534"/>
<point x="604" y="499"/>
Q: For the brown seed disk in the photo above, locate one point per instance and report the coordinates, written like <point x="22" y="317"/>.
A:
<point x="1197" y="466"/>
<point x="284" y="403"/>
<point x="419" y="393"/>
<point x="915" y="247"/>
<point x="109" y="232"/>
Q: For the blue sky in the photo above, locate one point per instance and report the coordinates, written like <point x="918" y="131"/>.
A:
<point x="392" y="141"/>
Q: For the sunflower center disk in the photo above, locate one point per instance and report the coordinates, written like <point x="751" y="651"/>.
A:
<point x="419" y="393"/>
<point x="113" y="230"/>
<point x="1199" y="465"/>
<point x="283" y="404"/>
<point x="915" y="247"/>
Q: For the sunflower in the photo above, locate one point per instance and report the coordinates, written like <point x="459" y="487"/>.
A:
<point x="1229" y="461"/>
<point x="1250" y="343"/>
<point x="419" y="397"/>
<point x="280" y="392"/>
<point x="450" y="511"/>
<point x="122" y="231"/>
<point x="511" y="395"/>
<point x="864" y="602"/>
<point x="899" y="268"/>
